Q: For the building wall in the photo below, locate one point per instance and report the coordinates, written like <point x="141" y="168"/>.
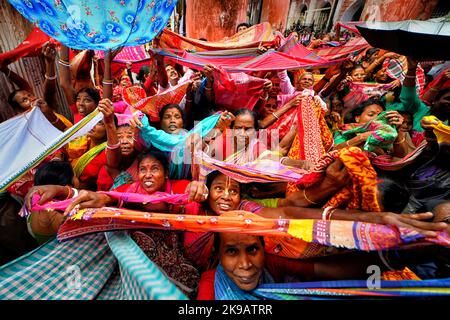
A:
<point x="276" y="13"/>
<point x="388" y="10"/>
<point x="214" y="19"/>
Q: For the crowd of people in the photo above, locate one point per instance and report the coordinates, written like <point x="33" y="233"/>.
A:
<point x="380" y="142"/>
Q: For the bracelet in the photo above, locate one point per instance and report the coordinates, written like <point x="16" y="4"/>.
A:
<point x="273" y="113"/>
<point x="107" y="82"/>
<point x="401" y="141"/>
<point x="56" y="121"/>
<point x="75" y="193"/>
<point x="50" y="78"/>
<point x="346" y="143"/>
<point x="69" y="195"/>
<point x="9" y="73"/>
<point x="306" y="198"/>
<point x="283" y="158"/>
<point x="330" y="213"/>
<point x="433" y="89"/>
<point x="64" y="63"/>
<point x="410" y="77"/>
<point x="113" y="147"/>
<point x="265" y="98"/>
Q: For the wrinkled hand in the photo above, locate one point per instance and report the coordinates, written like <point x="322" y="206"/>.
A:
<point x="49" y="52"/>
<point x="88" y="199"/>
<point x="394" y="118"/>
<point x="295" y="101"/>
<point x="135" y="122"/>
<point x="197" y="191"/>
<point x="208" y="71"/>
<point x="413" y="221"/>
<point x="267" y="86"/>
<point x="336" y="174"/>
<point x="225" y="120"/>
<point x="106" y="107"/>
<point x="47" y="192"/>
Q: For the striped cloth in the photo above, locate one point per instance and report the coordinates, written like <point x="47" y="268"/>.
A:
<point x="99" y="266"/>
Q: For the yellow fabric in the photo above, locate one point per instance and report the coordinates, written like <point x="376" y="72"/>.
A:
<point x="441" y="131"/>
<point x="64" y="120"/>
<point x="76" y="148"/>
<point x="83" y="161"/>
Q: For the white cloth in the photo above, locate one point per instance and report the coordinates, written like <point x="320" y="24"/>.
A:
<point x="28" y="138"/>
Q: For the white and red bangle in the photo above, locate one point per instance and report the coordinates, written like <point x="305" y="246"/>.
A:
<point x="327" y="212"/>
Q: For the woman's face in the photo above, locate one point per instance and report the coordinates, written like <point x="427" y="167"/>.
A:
<point x="98" y="132"/>
<point x="125" y="135"/>
<point x="295" y="35"/>
<point x="358" y="75"/>
<point x="24" y="99"/>
<point x="242" y="259"/>
<point x="224" y="195"/>
<point x="85" y="104"/>
<point x="172" y="121"/>
<point x="243" y="130"/>
<point x="407" y="123"/>
<point x="370" y="112"/>
<point x="269" y="108"/>
<point x="306" y="81"/>
<point x="151" y="175"/>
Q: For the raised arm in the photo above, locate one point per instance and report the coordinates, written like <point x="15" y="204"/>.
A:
<point x="49" y="52"/>
<point x="65" y="76"/>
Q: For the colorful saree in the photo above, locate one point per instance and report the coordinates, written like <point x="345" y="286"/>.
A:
<point x="314" y="138"/>
<point x="80" y="164"/>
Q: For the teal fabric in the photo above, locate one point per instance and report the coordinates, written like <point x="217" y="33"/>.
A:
<point x="179" y="165"/>
<point x="96" y="266"/>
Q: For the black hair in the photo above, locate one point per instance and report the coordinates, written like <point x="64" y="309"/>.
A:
<point x="14" y="104"/>
<point x="393" y="196"/>
<point x="247" y="111"/>
<point x="54" y="172"/>
<point x="143" y="71"/>
<point x="158" y="155"/>
<point x="351" y="116"/>
<point x="92" y="92"/>
<point x="243" y="24"/>
<point x="357" y="66"/>
<point x="170" y="106"/>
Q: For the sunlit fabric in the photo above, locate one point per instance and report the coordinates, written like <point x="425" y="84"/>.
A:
<point x="98" y="25"/>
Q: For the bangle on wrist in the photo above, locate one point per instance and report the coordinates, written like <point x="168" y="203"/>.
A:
<point x="56" y="121"/>
<point x="327" y="212"/>
<point x="75" y="193"/>
<point x="306" y="198"/>
<point x="64" y="63"/>
<point x="107" y="82"/>
<point x="410" y="77"/>
<point x="282" y="159"/>
<point x="50" y="78"/>
<point x="264" y="98"/>
<point x="69" y="192"/>
<point x="275" y="115"/>
<point x="401" y="141"/>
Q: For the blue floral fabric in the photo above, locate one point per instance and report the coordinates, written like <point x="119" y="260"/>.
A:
<point x="98" y="24"/>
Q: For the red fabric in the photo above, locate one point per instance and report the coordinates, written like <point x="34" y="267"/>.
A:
<point x="93" y="168"/>
<point x="237" y="90"/>
<point x="104" y="180"/>
<point x="76" y="116"/>
<point x="206" y="285"/>
<point x="31" y="46"/>
<point x="434" y="82"/>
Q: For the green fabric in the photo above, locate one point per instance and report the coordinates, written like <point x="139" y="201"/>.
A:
<point x="268" y="203"/>
<point x="84" y="160"/>
<point x="410" y="102"/>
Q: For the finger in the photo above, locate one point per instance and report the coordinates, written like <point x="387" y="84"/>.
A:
<point x="192" y="192"/>
<point x="83" y="197"/>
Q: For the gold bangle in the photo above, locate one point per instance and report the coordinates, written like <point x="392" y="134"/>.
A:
<point x="346" y="143"/>
<point x="401" y="141"/>
<point x="56" y="121"/>
<point x="273" y="113"/>
<point x="306" y="198"/>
